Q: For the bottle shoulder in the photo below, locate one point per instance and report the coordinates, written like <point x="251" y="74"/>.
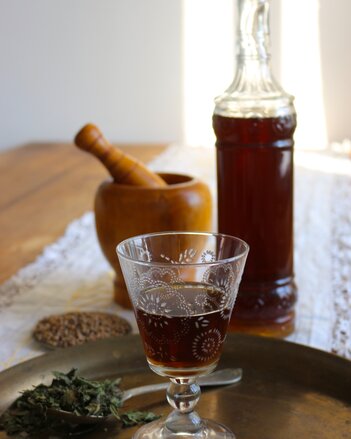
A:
<point x="254" y="92"/>
<point x="251" y="106"/>
<point x="255" y="103"/>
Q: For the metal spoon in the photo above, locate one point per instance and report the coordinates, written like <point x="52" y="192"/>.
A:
<point x="221" y="377"/>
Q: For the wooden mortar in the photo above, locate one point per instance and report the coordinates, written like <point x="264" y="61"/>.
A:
<point x="140" y="201"/>
<point x="123" y="211"/>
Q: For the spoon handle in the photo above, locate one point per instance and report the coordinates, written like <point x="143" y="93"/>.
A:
<point x="217" y="378"/>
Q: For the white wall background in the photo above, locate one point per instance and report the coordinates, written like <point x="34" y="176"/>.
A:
<point x="67" y="62"/>
<point x="148" y="70"/>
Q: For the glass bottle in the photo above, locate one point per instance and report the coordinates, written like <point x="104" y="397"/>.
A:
<point x="254" y="122"/>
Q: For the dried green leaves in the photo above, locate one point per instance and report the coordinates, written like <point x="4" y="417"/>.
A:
<point x="70" y="392"/>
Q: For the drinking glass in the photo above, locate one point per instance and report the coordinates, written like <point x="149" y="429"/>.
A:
<point x="183" y="287"/>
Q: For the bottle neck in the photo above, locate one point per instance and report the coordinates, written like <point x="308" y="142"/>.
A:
<point x="253" y="76"/>
<point x="254" y="91"/>
<point x="253" y="30"/>
<point x="253" y="72"/>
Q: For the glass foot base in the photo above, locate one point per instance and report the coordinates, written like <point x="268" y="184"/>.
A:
<point x="158" y="430"/>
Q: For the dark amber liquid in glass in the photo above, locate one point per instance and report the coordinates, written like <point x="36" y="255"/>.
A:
<point x="186" y="339"/>
<point x="255" y="203"/>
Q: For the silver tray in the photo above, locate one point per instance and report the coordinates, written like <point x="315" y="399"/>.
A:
<point x="288" y="391"/>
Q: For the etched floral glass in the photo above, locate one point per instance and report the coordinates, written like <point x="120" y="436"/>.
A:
<point x="183" y="287"/>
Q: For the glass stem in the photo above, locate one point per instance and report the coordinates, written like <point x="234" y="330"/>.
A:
<point x="183" y="395"/>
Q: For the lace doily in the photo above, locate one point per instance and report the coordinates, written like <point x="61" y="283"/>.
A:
<point x="72" y="274"/>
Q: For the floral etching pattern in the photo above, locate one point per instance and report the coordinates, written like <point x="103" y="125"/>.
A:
<point x="185" y="257"/>
<point x="153" y="305"/>
<point x="227" y="281"/>
<point x="207" y="344"/>
<point x="208" y="256"/>
<point x="201" y="322"/>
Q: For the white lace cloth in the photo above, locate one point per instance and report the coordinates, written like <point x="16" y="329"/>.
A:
<point x="72" y="274"/>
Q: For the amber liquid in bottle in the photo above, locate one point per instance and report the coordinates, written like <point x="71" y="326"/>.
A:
<point x="255" y="203"/>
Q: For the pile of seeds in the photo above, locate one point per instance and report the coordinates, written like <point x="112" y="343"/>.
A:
<point x="75" y="328"/>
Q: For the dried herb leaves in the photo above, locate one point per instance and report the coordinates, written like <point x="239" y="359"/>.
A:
<point x="73" y="393"/>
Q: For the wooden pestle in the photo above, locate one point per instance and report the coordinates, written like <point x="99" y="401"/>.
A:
<point x="123" y="168"/>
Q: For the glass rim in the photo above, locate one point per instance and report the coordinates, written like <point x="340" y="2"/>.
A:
<point x="179" y="264"/>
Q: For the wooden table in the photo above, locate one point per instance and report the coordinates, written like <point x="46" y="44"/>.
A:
<point x="44" y="187"/>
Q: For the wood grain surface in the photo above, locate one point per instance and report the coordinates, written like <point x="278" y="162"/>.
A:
<point x="44" y="187"/>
